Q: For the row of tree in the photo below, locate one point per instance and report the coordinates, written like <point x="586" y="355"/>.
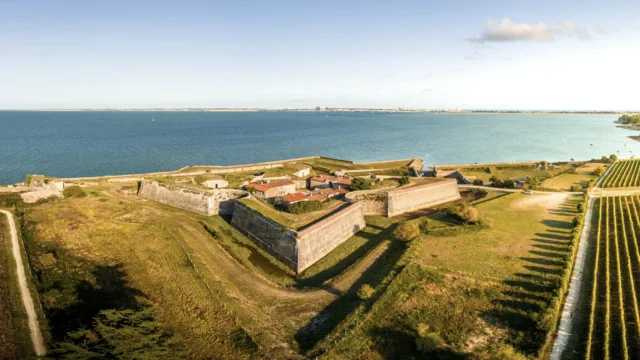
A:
<point x="630" y="119"/>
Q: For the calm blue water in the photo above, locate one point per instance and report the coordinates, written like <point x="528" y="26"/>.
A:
<point x="69" y="144"/>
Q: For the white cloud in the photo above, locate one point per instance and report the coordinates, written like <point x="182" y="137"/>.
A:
<point x="506" y="30"/>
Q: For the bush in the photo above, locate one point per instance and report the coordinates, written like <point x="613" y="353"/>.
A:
<point x="571" y="170"/>
<point x="465" y="213"/>
<point x="28" y="179"/>
<point x="199" y="179"/>
<point x="575" y="188"/>
<point x="303" y="207"/>
<point x="361" y="184"/>
<point x="406" y="231"/>
<point x="575" y="221"/>
<point x="478" y="182"/>
<point x="423" y="225"/>
<point x="509" y="184"/>
<point x="580" y="207"/>
<point x="404" y="180"/>
<point x="598" y="171"/>
<point x="73" y="191"/>
<point x="427" y="341"/>
<point x="613" y="157"/>
<point x="366" y="292"/>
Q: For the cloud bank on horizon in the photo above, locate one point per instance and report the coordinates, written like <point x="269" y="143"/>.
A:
<point x="506" y="30"/>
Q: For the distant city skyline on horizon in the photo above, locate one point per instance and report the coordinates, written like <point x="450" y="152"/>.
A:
<point x="495" y="55"/>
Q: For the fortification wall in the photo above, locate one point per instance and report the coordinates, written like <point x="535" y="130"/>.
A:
<point x="224" y="200"/>
<point x="201" y="201"/>
<point x="180" y="196"/>
<point x="413" y="198"/>
<point x="321" y="238"/>
<point x="373" y="202"/>
<point x="272" y="237"/>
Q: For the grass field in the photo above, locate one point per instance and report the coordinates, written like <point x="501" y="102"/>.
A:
<point x="209" y="289"/>
<point x="564" y="181"/>
<point x="624" y="173"/>
<point x="510" y="172"/>
<point x="15" y="342"/>
<point x="479" y="294"/>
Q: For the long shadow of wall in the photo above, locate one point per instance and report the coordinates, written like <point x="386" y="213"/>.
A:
<point x="528" y="292"/>
<point x="334" y="313"/>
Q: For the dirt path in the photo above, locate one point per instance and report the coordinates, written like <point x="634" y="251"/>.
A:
<point x="575" y="287"/>
<point x="34" y="327"/>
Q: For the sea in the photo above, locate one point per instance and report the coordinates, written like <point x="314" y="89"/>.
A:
<point x="95" y="143"/>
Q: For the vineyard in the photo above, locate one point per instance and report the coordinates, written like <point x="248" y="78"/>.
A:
<point x="614" y="317"/>
<point x="624" y="173"/>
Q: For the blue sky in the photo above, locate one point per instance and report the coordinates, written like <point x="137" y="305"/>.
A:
<point x="418" y="54"/>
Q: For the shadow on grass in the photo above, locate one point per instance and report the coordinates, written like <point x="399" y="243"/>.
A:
<point x="392" y="343"/>
<point x="334" y="313"/>
<point x="335" y="270"/>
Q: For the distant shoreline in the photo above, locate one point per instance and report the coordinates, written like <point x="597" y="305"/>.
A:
<point x="338" y="110"/>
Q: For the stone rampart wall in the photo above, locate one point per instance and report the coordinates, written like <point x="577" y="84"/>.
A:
<point x="319" y="239"/>
<point x="272" y="237"/>
<point x="418" y="197"/>
<point x="374" y="202"/>
<point x="206" y="202"/>
<point x="180" y="196"/>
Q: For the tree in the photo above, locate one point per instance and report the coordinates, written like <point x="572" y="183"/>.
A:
<point x="598" y="171"/>
<point x="509" y="184"/>
<point x="361" y="184"/>
<point x="121" y="334"/>
<point x="543" y="163"/>
<point x="403" y="180"/>
<point x="496" y="182"/>
<point x="532" y="182"/>
<point x="478" y="182"/>
<point x="613" y="157"/>
<point x="575" y="188"/>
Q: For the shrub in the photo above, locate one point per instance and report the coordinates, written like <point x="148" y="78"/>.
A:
<point x="427" y="341"/>
<point x="465" y="213"/>
<point x="73" y="191"/>
<point x="580" y="207"/>
<point x="366" y="292"/>
<point x="28" y="179"/>
<point x="575" y="188"/>
<point x="199" y="179"/>
<point x="532" y="182"/>
<point x="478" y="182"/>
<point x="423" y="225"/>
<point x="303" y="207"/>
<point x="406" y="231"/>
<point x="575" y="221"/>
<point x="361" y="184"/>
<point x="571" y="170"/>
<point x="543" y="163"/>
<point x="509" y="184"/>
<point x="613" y="157"/>
<point x="598" y="171"/>
<point x="404" y="180"/>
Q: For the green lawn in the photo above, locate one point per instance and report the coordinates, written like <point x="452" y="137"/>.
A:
<point x="478" y="293"/>
<point x="564" y="181"/>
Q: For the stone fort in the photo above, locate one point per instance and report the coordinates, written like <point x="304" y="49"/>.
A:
<point x="304" y="247"/>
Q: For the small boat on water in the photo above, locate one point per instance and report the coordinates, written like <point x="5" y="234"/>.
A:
<point x="154" y="119"/>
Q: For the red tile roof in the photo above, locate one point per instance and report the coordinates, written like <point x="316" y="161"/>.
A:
<point x="323" y="177"/>
<point x="258" y="187"/>
<point x="291" y="198"/>
<point x="317" y="197"/>
<point x="279" y="183"/>
<point x="344" y="181"/>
